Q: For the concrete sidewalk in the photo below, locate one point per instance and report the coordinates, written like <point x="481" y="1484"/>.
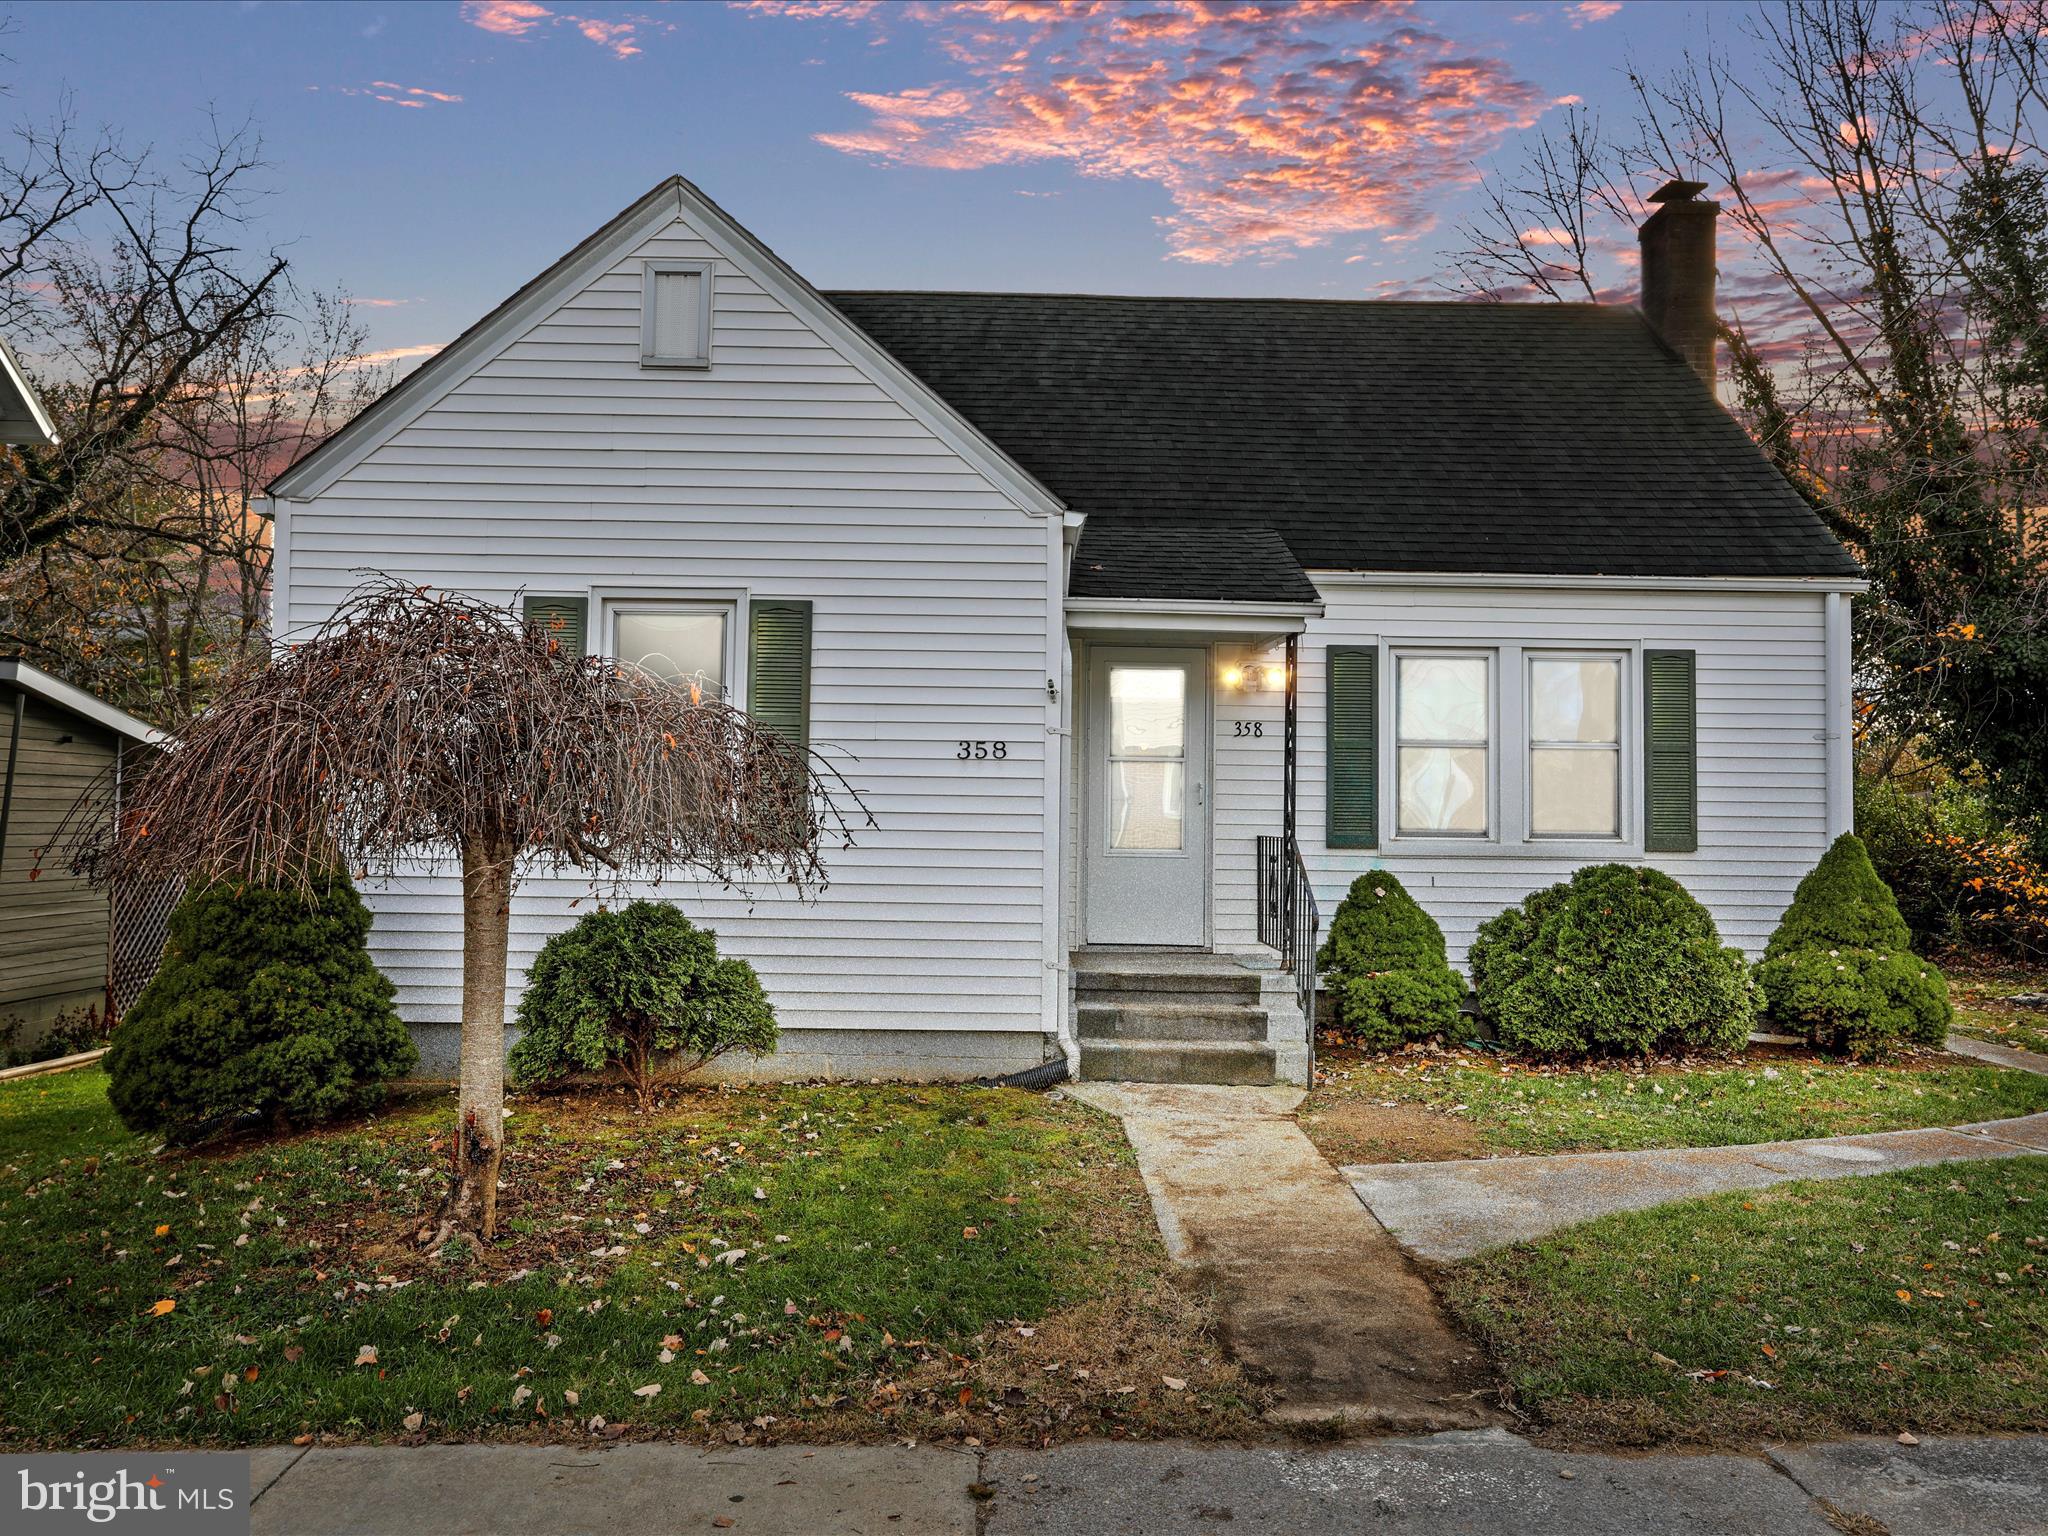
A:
<point x="1460" y="1483"/>
<point x="1315" y="1298"/>
<point x="1449" y="1211"/>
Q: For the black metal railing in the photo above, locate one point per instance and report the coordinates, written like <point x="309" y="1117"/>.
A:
<point x="1289" y="921"/>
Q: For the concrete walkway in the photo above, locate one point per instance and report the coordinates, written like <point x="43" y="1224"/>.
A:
<point x="1446" y="1211"/>
<point x="1471" y="1483"/>
<point x="1315" y="1297"/>
<point x="1999" y="1055"/>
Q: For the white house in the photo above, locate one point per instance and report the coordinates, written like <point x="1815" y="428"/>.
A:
<point x="1117" y="612"/>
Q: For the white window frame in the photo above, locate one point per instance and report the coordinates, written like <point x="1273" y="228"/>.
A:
<point x="1492" y="745"/>
<point x="707" y="271"/>
<point x="727" y="605"/>
<point x="1624" y="725"/>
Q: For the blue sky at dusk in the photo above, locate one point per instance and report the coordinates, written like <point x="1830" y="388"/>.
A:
<point x="432" y="156"/>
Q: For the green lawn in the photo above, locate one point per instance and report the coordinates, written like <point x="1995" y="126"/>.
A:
<point x="917" y="1261"/>
<point x="1484" y="1105"/>
<point x="1983" y="1011"/>
<point x="1907" y="1301"/>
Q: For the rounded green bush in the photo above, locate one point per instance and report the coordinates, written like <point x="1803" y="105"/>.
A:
<point x="1618" y="959"/>
<point x="266" y="1004"/>
<point x="1386" y="968"/>
<point x="1840" y="969"/>
<point x="623" y="987"/>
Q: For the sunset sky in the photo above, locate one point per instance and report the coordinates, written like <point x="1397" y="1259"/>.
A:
<point x="432" y="156"/>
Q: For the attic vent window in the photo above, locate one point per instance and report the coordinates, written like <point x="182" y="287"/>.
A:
<point x="675" y="314"/>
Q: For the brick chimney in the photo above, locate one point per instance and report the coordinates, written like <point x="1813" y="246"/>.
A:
<point x="1678" y="272"/>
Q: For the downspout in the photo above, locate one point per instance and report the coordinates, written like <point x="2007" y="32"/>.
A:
<point x="1839" y="735"/>
<point x="13" y="754"/>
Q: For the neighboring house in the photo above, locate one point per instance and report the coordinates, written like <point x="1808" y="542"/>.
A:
<point x="66" y="945"/>
<point x="1032" y="570"/>
<point x="23" y="420"/>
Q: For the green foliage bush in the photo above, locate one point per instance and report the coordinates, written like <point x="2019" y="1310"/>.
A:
<point x="1618" y="959"/>
<point x="622" y="987"/>
<point x="266" y="1004"/>
<point x="1385" y="965"/>
<point x="1960" y="875"/>
<point x="1840" y="969"/>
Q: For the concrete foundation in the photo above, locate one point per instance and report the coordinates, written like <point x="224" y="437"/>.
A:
<point x="908" y="1055"/>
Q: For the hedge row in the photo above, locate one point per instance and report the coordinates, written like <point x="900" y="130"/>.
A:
<point x="1621" y="960"/>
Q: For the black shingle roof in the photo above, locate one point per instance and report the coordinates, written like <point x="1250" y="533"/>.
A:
<point x="1159" y="560"/>
<point x="1510" y="438"/>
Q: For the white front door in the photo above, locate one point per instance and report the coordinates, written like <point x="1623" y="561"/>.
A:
<point x="1147" y="865"/>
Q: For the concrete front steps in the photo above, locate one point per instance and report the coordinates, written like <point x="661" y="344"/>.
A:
<point x="1164" y="1016"/>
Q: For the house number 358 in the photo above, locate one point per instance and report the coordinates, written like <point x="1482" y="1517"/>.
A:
<point x="980" y="750"/>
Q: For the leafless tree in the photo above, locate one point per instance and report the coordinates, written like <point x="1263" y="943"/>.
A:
<point x="1536" y="233"/>
<point x="1882" y="167"/>
<point x="125" y="279"/>
<point x="416" y="725"/>
<point x="148" y="606"/>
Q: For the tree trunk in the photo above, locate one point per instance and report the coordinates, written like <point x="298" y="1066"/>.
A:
<point x="480" y="1109"/>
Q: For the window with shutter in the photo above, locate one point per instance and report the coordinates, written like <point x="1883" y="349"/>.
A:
<point x="562" y="618"/>
<point x="779" y="667"/>
<point x="1352" y="760"/>
<point x="675" y="318"/>
<point x="1671" y="752"/>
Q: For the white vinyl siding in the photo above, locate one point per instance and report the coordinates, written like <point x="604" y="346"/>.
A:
<point x="560" y="465"/>
<point x="1763" y="753"/>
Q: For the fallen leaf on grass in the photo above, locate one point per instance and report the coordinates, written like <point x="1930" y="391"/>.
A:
<point x="699" y="1379"/>
<point x="520" y="1394"/>
<point x="293" y="1354"/>
<point x="366" y="1354"/>
<point x="652" y="1389"/>
<point x="1174" y="1383"/>
<point x="413" y="1421"/>
<point x="161" y="1308"/>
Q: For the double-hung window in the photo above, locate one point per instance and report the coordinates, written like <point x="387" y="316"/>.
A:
<point x="1574" y="712"/>
<point x="687" y="643"/>
<point x="1443" y="744"/>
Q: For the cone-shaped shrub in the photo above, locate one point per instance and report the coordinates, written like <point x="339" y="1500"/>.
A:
<point x="266" y="1004"/>
<point x="623" y="988"/>
<point x="1618" y="959"/>
<point x="1840" y="969"/>
<point x="1385" y="965"/>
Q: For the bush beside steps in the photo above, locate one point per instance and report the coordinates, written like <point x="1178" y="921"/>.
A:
<point x="1386" y="966"/>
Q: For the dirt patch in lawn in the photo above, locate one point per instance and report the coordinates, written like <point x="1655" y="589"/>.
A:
<point x="1358" y="1131"/>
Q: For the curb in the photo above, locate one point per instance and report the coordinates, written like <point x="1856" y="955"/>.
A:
<point x="55" y="1064"/>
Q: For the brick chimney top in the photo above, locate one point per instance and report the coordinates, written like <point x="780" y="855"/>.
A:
<point x="1677" y="242"/>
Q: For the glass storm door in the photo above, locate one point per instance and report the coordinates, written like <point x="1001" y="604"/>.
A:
<point x="1147" y="865"/>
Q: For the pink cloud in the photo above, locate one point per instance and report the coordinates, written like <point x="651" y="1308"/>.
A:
<point x="1588" y="11"/>
<point x="1272" y="128"/>
<point x="618" y="35"/>
<point x="415" y="96"/>
<point x="508" y="18"/>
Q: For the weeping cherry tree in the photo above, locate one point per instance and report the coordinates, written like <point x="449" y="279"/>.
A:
<point x="417" y="725"/>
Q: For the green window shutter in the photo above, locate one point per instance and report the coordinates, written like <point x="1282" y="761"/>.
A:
<point x="1353" y="760"/>
<point x="564" y="618"/>
<point x="779" y="667"/>
<point x="1671" y="810"/>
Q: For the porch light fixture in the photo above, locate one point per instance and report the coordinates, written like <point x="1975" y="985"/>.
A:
<point x="1261" y="677"/>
